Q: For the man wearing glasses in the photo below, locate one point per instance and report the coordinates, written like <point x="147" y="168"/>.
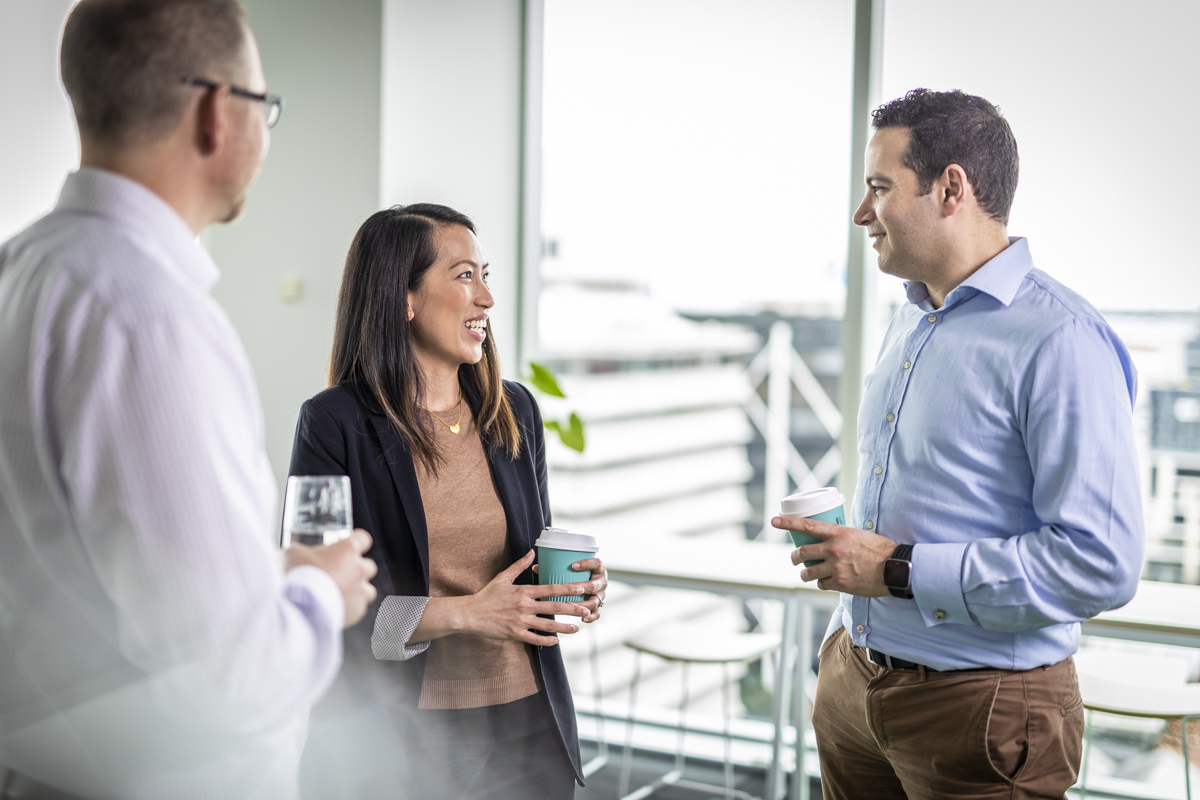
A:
<point x="150" y="644"/>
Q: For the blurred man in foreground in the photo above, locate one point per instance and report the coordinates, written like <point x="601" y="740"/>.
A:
<point x="998" y="503"/>
<point x="150" y="644"/>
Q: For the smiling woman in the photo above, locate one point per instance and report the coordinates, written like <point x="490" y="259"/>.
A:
<point x="449" y="314"/>
<point x="412" y="327"/>
<point x="447" y="469"/>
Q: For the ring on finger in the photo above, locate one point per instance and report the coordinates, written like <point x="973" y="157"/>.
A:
<point x="600" y="603"/>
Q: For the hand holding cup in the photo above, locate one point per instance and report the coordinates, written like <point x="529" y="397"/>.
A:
<point x="595" y="589"/>
<point x="564" y="556"/>
<point x="847" y="559"/>
<point x="824" y="505"/>
<point x="506" y="610"/>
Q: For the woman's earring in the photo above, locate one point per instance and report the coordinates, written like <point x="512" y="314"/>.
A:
<point x="410" y="315"/>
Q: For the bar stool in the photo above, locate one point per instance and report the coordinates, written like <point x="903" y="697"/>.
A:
<point x="1133" y="700"/>
<point x="600" y="760"/>
<point x="691" y="644"/>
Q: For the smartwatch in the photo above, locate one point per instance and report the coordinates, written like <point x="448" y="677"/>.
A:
<point x="897" y="572"/>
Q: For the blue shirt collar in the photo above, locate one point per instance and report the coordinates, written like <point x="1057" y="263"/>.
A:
<point x="1000" y="277"/>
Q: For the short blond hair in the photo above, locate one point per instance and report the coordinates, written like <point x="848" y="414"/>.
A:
<point x="123" y="62"/>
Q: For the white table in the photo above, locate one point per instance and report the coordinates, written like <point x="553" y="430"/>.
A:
<point x="1165" y="613"/>
<point x="743" y="569"/>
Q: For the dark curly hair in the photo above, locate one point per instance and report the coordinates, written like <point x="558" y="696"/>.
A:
<point x="957" y="128"/>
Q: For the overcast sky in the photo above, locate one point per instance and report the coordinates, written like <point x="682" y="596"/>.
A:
<point x="701" y="147"/>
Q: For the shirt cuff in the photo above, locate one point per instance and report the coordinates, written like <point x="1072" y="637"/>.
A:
<point x="937" y="583"/>
<point x="395" y="623"/>
<point x="308" y="587"/>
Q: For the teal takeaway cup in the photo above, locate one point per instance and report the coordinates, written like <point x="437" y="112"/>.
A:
<point x="826" y="504"/>
<point x="557" y="550"/>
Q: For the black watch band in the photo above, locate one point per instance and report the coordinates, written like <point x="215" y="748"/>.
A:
<point x="897" y="572"/>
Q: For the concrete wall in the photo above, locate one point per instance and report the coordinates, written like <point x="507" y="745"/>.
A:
<point x="388" y="101"/>
<point x="320" y="181"/>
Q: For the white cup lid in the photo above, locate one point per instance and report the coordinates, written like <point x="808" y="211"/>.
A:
<point x="560" y="539"/>
<point x="814" y="501"/>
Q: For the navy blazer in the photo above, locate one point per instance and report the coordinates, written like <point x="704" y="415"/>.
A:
<point x="342" y="432"/>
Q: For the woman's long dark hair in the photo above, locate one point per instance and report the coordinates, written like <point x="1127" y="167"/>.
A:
<point x="372" y="339"/>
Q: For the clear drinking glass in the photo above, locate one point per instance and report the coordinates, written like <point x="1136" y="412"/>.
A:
<point x="316" y="510"/>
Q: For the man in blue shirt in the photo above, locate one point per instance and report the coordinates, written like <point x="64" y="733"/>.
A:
<point x="998" y="502"/>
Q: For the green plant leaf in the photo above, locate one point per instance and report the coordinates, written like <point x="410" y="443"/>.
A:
<point x="570" y="434"/>
<point x="543" y="380"/>
<point x="573" y="436"/>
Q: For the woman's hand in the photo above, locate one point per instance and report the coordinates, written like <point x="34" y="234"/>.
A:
<point x="504" y="610"/>
<point x="595" y="588"/>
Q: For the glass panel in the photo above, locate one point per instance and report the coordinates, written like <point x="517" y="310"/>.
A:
<point x="694" y="193"/>
<point x="695" y="213"/>
<point x="1101" y="105"/>
<point x="1091" y="198"/>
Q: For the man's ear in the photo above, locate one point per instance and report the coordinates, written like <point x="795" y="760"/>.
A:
<point x="211" y="122"/>
<point x="953" y="189"/>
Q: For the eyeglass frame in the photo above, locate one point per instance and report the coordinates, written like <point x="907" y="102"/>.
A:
<point x="272" y="103"/>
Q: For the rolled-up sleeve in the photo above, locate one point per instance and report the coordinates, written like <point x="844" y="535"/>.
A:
<point x="396" y="622"/>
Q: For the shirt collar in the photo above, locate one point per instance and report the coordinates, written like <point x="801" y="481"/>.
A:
<point x="145" y="216"/>
<point x="1000" y="277"/>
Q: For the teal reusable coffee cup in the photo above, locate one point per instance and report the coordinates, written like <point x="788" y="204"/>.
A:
<point x="558" y="549"/>
<point x="826" y="504"/>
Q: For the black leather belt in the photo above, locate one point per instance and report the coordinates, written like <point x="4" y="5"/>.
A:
<point x="891" y="662"/>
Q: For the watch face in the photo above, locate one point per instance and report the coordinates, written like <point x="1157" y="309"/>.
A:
<point x="896" y="573"/>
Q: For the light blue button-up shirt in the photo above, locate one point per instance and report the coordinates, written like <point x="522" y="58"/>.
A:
<point x="995" y="435"/>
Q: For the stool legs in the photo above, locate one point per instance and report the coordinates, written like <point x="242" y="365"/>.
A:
<point x="726" y="708"/>
<point x="597" y="763"/>
<point x="1087" y="752"/>
<point x="675" y="776"/>
<point x="681" y="735"/>
<point x="627" y="761"/>
<point x="1187" y="764"/>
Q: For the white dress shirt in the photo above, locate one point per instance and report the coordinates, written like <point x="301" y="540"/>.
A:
<point x="150" y="644"/>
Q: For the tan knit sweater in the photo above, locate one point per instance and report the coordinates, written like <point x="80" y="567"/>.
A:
<point x="468" y="546"/>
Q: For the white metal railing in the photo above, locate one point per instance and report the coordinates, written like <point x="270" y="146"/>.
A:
<point x="781" y="366"/>
<point x="1173" y="518"/>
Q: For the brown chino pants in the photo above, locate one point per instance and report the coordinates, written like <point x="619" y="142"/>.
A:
<point x="927" y="735"/>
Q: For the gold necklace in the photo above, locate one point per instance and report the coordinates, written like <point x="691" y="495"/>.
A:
<point x="456" y="427"/>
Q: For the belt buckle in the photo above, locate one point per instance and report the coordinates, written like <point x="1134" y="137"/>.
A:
<point x="872" y="654"/>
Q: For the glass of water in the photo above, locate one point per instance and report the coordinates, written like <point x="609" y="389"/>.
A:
<point x="316" y="510"/>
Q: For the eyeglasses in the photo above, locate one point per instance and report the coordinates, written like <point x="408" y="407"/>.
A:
<point x="272" y="104"/>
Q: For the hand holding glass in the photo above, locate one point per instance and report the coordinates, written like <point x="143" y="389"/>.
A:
<point x="316" y="510"/>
